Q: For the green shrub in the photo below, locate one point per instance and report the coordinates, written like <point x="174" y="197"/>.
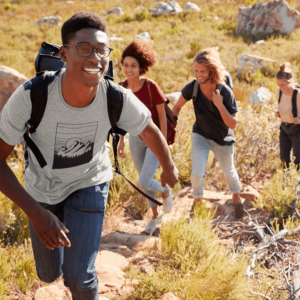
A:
<point x="195" y="48"/>
<point x="126" y="18"/>
<point x="141" y="16"/>
<point x="279" y="193"/>
<point x="193" y="265"/>
<point x="228" y="25"/>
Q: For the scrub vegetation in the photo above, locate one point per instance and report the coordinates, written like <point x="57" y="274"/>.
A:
<point x="176" y="39"/>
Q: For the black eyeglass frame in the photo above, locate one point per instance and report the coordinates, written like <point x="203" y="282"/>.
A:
<point x="93" y="50"/>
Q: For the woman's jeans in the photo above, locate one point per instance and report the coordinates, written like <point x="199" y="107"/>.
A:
<point x="289" y="139"/>
<point x="82" y="213"/>
<point x="224" y="155"/>
<point x="146" y="164"/>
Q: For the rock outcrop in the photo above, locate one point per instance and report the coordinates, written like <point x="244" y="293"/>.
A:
<point x="115" y="10"/>
<point x="10" y="79"/>
<point x="251" y="63"/>
<point x="261" y="95"/>
<point x="161" y="8"/>
<point x="192" y="6"/>
<point x="49" y="20"/>
<point x="267" y="18"/>
<point x="173" y="97"/>
<point x="144" y="36"/>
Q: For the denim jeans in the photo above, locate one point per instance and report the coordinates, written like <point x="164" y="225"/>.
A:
<point x="82" y="213"/>
<point x="146" y="164"/>
<point x="289" y="139"/>
<point x="224" y="155"/>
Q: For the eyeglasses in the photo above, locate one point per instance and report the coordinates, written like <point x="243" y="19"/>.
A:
<point x="86" y="51"/>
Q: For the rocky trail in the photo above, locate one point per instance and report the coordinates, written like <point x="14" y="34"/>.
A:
<point x="125" y="245"/>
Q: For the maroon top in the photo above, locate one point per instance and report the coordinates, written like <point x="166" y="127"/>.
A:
<point x="143" y="95"/>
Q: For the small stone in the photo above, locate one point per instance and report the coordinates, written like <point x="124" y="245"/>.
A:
<point x="220" y="208"/>
<point x="168" y="296"/>
<point x="48" y="293"/>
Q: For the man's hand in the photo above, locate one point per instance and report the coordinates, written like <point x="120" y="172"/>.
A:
<point x="217" y="98"/>
<point x="296" y="121"/>
<point x="121" y="149"/>
<point x="277" y="114"/>
<point x="170" y="178"/>
<point x="49" y="229"/>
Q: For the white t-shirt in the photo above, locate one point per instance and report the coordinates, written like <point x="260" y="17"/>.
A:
<point x="72" y="140"/>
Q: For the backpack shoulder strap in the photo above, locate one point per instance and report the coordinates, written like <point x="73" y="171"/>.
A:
<point x="195" y="90"/>
<point x="294" y="103"/>
<point x="150" y="94"/>
<point x="39" y="97"/>
<point x="280" y="94"/>
<point x="114" y="104"/>
<point x="220" y="88"/>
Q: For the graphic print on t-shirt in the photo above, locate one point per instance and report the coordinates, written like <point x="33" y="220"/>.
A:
<point x="74" y="144"/>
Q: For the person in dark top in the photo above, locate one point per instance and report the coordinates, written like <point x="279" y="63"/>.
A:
<point x="216" y="117"/>
<point x="137" y="58"/>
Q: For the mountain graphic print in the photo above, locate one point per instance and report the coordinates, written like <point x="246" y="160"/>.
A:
<point x="74" y="144"/>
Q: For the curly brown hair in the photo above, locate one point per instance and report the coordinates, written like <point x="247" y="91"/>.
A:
<point x="285" y="72"/>
<point x="210" y="57"/>
<point x="143" y="52"/>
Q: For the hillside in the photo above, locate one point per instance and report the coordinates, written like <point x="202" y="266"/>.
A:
<point x="176" y="39"/>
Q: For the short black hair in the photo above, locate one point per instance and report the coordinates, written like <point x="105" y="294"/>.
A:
<point x="81" y="20"/>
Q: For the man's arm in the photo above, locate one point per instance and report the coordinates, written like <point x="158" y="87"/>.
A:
<point x="48" y="228"/>
<point x="229" y="119"/>
<point x="178" y="105"/>
<point x="158" y="145"/>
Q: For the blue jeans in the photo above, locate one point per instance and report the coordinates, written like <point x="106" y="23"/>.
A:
<point x="82" y="213"/>
<point x="146" y="164"/>
<point x="224" y="155"/>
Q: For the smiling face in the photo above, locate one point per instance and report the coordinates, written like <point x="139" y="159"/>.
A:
<point x="86" y="70"/>
<point x="284" y="85"/>
<point x="131" y="67"/>
<point x="201" y="72"/>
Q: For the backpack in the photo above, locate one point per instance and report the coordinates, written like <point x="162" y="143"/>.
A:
<point x="294" y="102"/>
<point x="48" y="57"/>
<point x="171" y="118"/>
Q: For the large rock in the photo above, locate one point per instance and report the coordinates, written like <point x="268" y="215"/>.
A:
<point x="267" y="18"/>
<point x="51" y="20"/>
<point x="168" y="296"/>
<point x="115" y="10"/>
<point x="173" y="97"/>
<point x="144" y="36"/>
<point x="10" y="79"/>
<point x="261" y="95"/>
<point x="162" y="8"/>
<point x="111" y="258"/>
<point x="53" y="292"/>
<point x="192" y="6"/>
<point x="252" y="63"/>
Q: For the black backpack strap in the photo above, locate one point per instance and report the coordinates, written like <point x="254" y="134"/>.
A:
<point x="294" y="103"/>
<point x="280" y="94"/>
<point x="195" y="90"/>
<point x="39" y="97"/>
<point x="114" y="107"/>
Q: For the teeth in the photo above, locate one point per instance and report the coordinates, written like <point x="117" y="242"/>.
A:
<point x="92" y="71"/>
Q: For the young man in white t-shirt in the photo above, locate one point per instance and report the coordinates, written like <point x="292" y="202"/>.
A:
<point x="65" y="201"/>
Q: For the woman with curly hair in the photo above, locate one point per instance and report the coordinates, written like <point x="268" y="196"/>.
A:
<point x="216" y="117"/>
<point x="137" y="58"/>
<point x="289" y="113"/>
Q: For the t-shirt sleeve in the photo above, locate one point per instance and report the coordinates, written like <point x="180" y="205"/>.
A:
<point x="157" y="95"/>
<point x="230" y="101"/>
<point x="135" y="116"/>
<point x="14" y="115"/>
<point x="187" y="91"/>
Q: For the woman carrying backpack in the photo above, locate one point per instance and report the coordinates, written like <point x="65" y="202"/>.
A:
<point x="288" y="112"/>
<point x="137" y="58"/>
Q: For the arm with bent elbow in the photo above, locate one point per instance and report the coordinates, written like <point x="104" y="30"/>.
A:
<point x="46" y="225"/>
<point x="229" y="119"/>
<point x="178" y="105"/>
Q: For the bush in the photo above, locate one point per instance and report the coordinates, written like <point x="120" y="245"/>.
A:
<point x="193" y="265"/>
<point x="195" y="48"/>
<point x="279" y="193"/>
